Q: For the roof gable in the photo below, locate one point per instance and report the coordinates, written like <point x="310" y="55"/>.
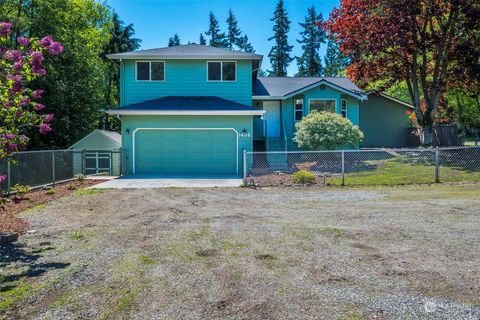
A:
<point x="109" y="136"/>
<point x="188" y="51"/>
<point x="286" y="87"/>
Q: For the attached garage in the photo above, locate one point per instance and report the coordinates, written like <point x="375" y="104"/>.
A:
<point x="176" y="136"/>
<point x="186" y="151"/>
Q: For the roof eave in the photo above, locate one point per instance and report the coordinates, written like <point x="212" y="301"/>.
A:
<point x="119" y="112"/>
<point x="116" y="56"/>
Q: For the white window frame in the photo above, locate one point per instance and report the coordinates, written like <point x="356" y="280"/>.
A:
<point x="149" y="70"/>
<point x="321" y="99"/>
<point x="344" y="108"/>
<point x="221" y="71"/>
<point x="295" y="109"/>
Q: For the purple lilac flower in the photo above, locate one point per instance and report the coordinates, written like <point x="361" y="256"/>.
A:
<point x="45" y="128"/>
<point x="12" y="147"/>
<point x="3" y="178"/>
<point x="45" y="42"/>
<point x="5" y="28"/>
<point x="14" y="55"/>
<point x="37" y="94"/>
<point x="49" y="117"/>
<point x="25" y="101"/>
<point x="55" y="48"/>
<point x="18" y="65"/>
<point x="9" y="136"/>
<point x="23" y="41"/>
<point x="39" y="106"/>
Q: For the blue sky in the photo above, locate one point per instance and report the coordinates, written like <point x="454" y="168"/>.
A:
<point x="156" y="20"/>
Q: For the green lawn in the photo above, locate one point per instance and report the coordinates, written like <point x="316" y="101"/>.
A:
<point x="391" y="172"/>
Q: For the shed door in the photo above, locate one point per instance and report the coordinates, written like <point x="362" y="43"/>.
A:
<point x="185" y="151"/>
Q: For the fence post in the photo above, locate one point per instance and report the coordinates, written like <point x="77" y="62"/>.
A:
<point x="9" y="182"/>
<point x="53" y="168"/>
<point x="120" y="155"/>
<point x="244" y="164"/>
<point x="343" y="167"/>
<point x="437" y="165"/>
<point x="476" y="136"/>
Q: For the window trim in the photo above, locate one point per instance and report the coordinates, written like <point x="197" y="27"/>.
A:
<point x="221" y="71"/>
<point x="346" y="108"/>
<point x="295" y="109"/>
<point x="321" y="99"/>
<point x="150" y="70"/>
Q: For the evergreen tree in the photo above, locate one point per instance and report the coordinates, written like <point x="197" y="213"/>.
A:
<point x="217" y="38"/>
<point x="245" y="45"/>
<point x="202" y="40"/>
<point x="280" y="53"/>
<point x="309" y="63"/>
<point x="335" y="62"/>
<point x="234" y="37"/>
<point x="174" y="41"/>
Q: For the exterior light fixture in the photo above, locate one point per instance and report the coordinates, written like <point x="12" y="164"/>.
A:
<point x="244" y="134"/>
<point x="127" y="131"/>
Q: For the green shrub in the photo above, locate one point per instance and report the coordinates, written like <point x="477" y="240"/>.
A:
<point x="80" y="177"/>
<point x="327" y="131"/>
<point x="20" y="190"/>
<point x="303" y="177"/>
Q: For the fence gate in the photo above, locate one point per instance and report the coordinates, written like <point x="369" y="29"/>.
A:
<point x="98" y="162"/>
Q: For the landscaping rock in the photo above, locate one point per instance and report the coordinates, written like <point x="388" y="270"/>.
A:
<point x="8" y="237"/>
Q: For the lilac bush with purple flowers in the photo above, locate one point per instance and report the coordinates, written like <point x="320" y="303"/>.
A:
<point x="18" y="107"/>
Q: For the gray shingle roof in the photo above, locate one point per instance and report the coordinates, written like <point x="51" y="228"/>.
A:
<point x="115" y="136"/>
<point x="280" y="87"/>
<point x="176" y="103"/>
<point x="188" y="51"/>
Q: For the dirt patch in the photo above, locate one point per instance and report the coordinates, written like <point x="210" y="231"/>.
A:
<point x="10" y="222"/>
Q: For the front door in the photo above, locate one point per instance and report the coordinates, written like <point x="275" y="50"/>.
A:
<point x="272" y="118"/>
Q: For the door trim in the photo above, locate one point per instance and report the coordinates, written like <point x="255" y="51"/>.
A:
<point x="180" y="129"/>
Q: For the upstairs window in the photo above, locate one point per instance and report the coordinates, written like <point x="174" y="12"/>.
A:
<point x="344" y="108"/>
<point x="328" y="105"/>
<point x="150" y="71"/>
<point x="221" y="71"/>
<point x="298" y="109"/>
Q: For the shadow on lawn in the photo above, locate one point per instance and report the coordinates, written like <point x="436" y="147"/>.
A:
<point x="20" y="257"/>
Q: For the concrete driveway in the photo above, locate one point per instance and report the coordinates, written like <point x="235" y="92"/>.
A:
<point x="150" y="181"/>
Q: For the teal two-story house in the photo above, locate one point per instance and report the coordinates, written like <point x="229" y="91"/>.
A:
<point x="194" y="109"/>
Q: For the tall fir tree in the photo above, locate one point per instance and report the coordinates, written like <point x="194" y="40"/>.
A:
<point x="245" y="45"/>
<point x="202" y="40"/>
<point x="280" y="53"/>
<point x="234" y="35"/>
<point x="335" y="62"/>
<point x="309" y="63"/>
<point x="217" y="38"/>
<point x="174" y="41"/>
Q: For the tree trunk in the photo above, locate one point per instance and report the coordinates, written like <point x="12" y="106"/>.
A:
<point x="426" y="136"/>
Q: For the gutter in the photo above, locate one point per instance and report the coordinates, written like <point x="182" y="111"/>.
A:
<point x="119" y="112"/>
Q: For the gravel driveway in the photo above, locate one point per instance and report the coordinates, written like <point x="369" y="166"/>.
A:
<point x="280" y="253"/>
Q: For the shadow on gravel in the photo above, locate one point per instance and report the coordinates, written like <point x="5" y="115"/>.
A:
<point x="22" y="258"/>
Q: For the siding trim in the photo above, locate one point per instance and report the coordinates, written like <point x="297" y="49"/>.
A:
<point x="185" y="113"/>
<point x="180" y="129"/>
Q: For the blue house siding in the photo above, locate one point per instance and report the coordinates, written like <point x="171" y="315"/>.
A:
<point x="130" y="123"/>
<point x="186" y="78"/>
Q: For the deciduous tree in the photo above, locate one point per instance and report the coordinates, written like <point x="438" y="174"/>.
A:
<point x="390" y="41"/>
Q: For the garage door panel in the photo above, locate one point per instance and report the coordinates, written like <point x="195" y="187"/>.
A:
<point x="186" y="152"/>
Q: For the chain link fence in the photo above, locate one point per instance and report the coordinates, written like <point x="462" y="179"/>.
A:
<point x="47" y="167"/>
<point x="366" y="167"/>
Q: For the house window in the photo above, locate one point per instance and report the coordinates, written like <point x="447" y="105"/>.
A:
<point x="344" y="108"/>
<point x="298" y="109"/>
<point x="329" y="105"/>
<point x="150" y="71"/>
<point x="222" y="71"/>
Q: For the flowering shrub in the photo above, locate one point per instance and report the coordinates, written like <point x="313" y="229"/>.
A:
<point x="19" y="65"/>
<point x="303" y="177"/>
<point x="327" y="131"/>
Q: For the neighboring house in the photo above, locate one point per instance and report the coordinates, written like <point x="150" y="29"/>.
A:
<point x="193" y="109"/>
<point x="98" y="152"/>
